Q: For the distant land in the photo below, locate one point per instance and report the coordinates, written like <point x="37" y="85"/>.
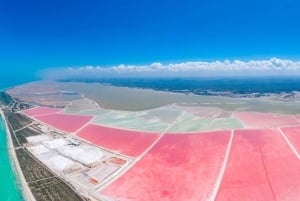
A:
<point x="150" y="100"/>
<point x="155" y="139"/>
<point x="277" y="88"/>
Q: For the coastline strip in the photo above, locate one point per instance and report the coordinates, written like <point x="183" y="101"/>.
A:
<point x="27" y="194"/>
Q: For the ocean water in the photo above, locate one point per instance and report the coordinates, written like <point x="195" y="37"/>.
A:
<point x="9" y="187"/>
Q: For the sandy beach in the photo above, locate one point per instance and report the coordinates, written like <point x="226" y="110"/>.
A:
<point x="27" y="194"/>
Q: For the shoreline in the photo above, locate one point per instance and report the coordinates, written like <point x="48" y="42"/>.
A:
<point x="25" y="190"/>
<point x="267" y="95"/>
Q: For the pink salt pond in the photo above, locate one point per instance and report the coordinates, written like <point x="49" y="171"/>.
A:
<point x="65" y="122"/>
<point x="38" y="111"/>
<point x="131" y="143"/>
<point x="265" y="120"/>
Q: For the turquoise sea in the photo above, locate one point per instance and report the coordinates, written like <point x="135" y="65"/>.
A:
<point x="9" y="188"/>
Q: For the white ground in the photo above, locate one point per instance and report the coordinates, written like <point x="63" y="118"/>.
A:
<point x="38" y="138"/>
<point x="83" y="154"/>
<point x="53" y="144"/>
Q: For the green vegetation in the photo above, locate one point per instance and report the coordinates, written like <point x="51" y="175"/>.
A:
<point x="32" y="170"/>
<point x="17" y="120"/>
<point x="5" y="99"/>
<point x="53" y="189"/>
<point x="24" y="133"/>
<point x="13" y="137"/>
<point x="43" y="184"/>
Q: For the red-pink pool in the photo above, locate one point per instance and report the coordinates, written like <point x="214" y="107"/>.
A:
<point x="265" y="120"/>
<point x="293" y="134"/>
<point x="131" y="143"/>
<point x="41" y="111"/>
<point x="179" y="167"/>
<point x="261" y="166"/>
<point x="65" y="122"/>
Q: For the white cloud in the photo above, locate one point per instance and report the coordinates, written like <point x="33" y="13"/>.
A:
<point x="273" y="66"/>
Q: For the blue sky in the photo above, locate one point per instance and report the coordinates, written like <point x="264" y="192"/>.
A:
<point x="38" y="34"/>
